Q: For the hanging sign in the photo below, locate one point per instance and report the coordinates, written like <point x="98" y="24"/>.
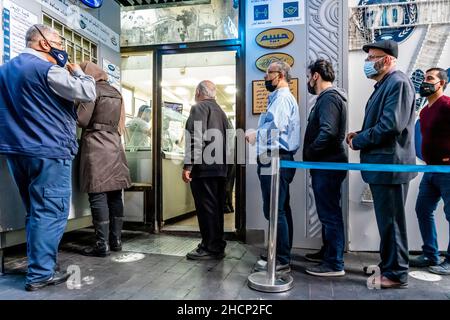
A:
<point x="275" y="38"/>
<point x="78" y="19"/>
<point x="275" y="13"/>
<point x="264" y="61"/>
<point x="93" y="3"/>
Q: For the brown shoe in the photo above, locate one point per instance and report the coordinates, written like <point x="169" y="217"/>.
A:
<point x="387" y="283"/>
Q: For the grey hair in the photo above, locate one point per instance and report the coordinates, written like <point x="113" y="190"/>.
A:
<point x="284" y="68"/>
<point x="207" y="89"/>
<point x="33" y="34"/>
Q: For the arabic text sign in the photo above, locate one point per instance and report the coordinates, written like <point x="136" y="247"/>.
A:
<point x="16" y="23"/>
<point x="272" y="13"/>
<point x="275" y="38"/>
<point x="78" y="19"/>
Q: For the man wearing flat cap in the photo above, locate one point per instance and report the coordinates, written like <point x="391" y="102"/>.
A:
<point x="387" y="137"/>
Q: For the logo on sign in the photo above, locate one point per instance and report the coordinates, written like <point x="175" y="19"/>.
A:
<point x="93" y="3"/>
<point x="290" y="10"/>
<point x="275" y="38"/>
<point x="387" y="21"/>
<point x="114" y="41"/>
<point x="264" y="61"/>
<point x="111" y="67"/>
<point x="261" y="12"/>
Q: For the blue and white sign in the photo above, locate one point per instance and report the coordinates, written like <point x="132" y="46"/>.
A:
<point x="93" y="3"/>
<point x="387" y="20"/>
<point x="16" y="22"/>
<point x="275" y="13"/>
<point x="113" y="72"/>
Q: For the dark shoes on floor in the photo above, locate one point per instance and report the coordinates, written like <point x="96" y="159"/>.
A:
<point x="316" y="256"/>
<point x="421" y="262"/>
<point x="115" y="245"/>
<point x="441" y="269"/>
<point x="99" y="250"/>
<point x="322" y="270"/>
<point x="57" y="278"/>
<point x="202" y="254"/>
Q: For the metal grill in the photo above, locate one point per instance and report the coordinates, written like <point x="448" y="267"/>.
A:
<point x="162" y="244"/>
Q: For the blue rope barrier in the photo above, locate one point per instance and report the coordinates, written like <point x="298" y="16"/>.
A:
<point x="365" y="167"/>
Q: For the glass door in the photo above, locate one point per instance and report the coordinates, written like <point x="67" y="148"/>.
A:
<point x="181" y="73"/>
<point x="137" y="93"/>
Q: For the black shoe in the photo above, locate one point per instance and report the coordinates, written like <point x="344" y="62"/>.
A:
<point x="324" y="271"/>
<point x="202" y="254"/>
<point x="316" y="256"/>
<point x="57" y="278"/>
<point x="96" y="251"/>
<point x="115" y="246"/>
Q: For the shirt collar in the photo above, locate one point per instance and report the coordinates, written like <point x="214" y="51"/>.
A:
<point x="34" y="53"/>
<point x="277" y="92"/>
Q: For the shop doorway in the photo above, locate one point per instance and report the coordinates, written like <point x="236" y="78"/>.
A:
<point x="181" y="72"/>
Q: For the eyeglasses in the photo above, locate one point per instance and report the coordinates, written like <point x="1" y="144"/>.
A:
<point x="269" y="72"/>
<point x="60" y="44"/>
<point x="369" y="58"/>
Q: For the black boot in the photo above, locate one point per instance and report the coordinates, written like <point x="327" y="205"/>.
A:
<point x="115" y="238"/>
<point x="101" y="248"/>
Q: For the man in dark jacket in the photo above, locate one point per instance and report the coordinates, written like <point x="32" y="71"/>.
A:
<point x="387" y="137"/>
<point x="205" y="168"/>
<point x="324" y="139"/>
<point x="37" y="134"/>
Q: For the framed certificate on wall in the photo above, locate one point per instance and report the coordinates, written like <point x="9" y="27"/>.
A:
<point x="260" y="95"/>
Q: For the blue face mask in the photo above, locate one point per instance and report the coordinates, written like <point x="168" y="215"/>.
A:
<point x="369" y="69"/>
<point x="61" y="56"/>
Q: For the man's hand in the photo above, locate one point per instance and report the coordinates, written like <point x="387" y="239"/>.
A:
<point x="73" y="68"/>
<point x="186" y="176"/>
<point x="349" y="139"/>
<point x="251" y="137"/>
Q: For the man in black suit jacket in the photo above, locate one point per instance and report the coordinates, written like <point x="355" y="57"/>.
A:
<point x="387" y="137"/>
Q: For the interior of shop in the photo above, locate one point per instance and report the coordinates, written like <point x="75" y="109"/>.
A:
<point x="181" y="74"/>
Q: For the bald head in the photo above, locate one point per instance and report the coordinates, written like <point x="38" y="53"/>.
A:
<point x="205" y="90"/>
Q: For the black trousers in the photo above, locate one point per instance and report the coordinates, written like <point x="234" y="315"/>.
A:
<point x="389" y="202"/>
<point x="209" y="197"/>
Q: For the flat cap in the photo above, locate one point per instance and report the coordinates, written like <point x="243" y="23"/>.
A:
<point x="388" y="46"/>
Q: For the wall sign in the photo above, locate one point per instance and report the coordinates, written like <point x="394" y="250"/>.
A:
<point x="113" y="72"/>
<point x="264" y="61"/>
<point x="260" y="95"/>
<point x="275" y="38"/>
<point x="78" y="19"/>
<point x="273" y="13"/>
<point x="16" y="22"/>
<point x="393" y="15"/>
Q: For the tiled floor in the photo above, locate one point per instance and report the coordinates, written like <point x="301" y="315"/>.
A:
<point x="173" y="277"/>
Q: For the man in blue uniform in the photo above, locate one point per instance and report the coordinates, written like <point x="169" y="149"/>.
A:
<point x="37" y="135"/>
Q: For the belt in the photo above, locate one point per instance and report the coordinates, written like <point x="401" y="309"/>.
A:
<point x="104" y="127"/>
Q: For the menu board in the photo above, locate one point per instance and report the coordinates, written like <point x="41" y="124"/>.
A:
<point x="261" y="95"/>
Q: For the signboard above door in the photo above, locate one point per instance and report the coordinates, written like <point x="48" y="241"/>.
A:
<point x="153" y="4"/>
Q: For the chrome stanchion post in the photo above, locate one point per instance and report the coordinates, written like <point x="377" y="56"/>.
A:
<point x="270" y="281"/>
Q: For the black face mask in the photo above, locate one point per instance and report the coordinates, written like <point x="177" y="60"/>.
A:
<point x="311" y="89"/>
<point x="269" y="86"/>
<point x="427" y="89"/>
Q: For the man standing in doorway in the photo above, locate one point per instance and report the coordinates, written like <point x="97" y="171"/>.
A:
<point x="278" y="134"/>
<point x="387" y="137"/>
<point x="434" y="124"/>
<point x="38" y="137"/>
<point x="206" y="169"/>
<point x="324" y="142"/>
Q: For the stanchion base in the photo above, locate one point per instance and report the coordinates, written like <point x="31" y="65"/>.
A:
<point x="260" y="281"/>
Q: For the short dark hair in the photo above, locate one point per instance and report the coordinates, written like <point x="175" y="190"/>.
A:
<point x="324" y="68"/>
<point x="441" y="74"/>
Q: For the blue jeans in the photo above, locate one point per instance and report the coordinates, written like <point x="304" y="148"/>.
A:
<point x="285" y="224"/>
<point x="326" y="186"/>
<point x="45" y="186"/>
<point x="433" y="187"/>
